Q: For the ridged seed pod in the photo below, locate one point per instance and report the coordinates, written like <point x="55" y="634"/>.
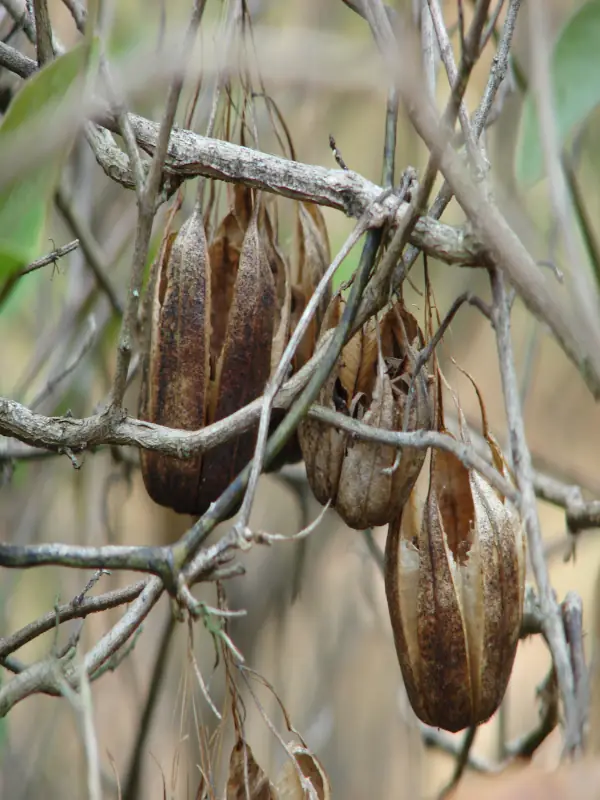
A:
<point x="212" y="331"/>
<point x="366" y="482"/>
<point x="455" y="579"/>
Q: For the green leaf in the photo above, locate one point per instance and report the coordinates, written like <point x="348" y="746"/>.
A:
<point x="24" y="204"/>
<point x="575" y="68"/>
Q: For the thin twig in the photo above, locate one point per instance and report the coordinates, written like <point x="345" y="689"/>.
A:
<point x="584" y="294"/>
<point x="146" y="211"/>
<point x="50" y="258"/>
<point x="421" y="440"/>
<point x="85" y="346"/>
<point x="521" y="459"/>
<point x="430" y="49"/>
<point x="72" y="610"/>
<point x="462" y="761"/>
<point x="82" y="705"/>
<point x="447" y="56"/>
<point x="91" y="249"/>
<point x="134" y="771"/>
<point x="433" y="737"/>
<point x="43" y="29"/>
<point x="525" y="746"/>
<point x="497" y="74"/>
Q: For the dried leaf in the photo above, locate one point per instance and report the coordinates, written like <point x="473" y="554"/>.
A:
<point x="288" y="784"/>
<point x="246" y="780"/>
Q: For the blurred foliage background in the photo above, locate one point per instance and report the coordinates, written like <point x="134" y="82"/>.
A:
<point x="329" y="653"/>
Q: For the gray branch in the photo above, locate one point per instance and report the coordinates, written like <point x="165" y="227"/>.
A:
<point x="190" y="155"/>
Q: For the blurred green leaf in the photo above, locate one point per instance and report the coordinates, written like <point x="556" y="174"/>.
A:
<point x="24" y="203"/>
<point x="575" y="70"/>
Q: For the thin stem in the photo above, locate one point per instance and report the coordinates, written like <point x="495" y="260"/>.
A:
<point x="50" y="258"/>
<point x="132" y="785"/>
<point x="146" y="211"/>
<point x="523" y="468"/>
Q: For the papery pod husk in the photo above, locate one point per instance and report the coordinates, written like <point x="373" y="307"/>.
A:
<point x="313" y="258"/>
<point x="288" y="785"/>
<point x="283" y="287"/>
<point x="455" y="578"/>
<point x="209" y="352"/>
<point x="246" y="779"/>
<point x="224" y="254"/>
<point x="290" y="453"/>
<point x="355" y="475"/>
<point x="175" y="366"/>
<point x="240" y="370"/>
<point x="312" y="261"/>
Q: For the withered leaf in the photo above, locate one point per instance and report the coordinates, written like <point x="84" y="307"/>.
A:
<point x="288" y="783"/>
<point x="246" y="780"/>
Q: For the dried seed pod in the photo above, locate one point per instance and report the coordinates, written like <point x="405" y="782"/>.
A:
<point x="368" y="483"/>
<point x="312" y="260"/>
<point x="314" y="255"/>
<point x="176" y="368"/>
<point x="209" y="353"/>
<point x="241" y="368"/>
<point x="455" y="578"/>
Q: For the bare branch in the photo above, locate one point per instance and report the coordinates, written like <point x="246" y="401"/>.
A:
<point x="43" y="30"/>
<point x="72" y="610"/>
<point x="50" y="258"/>
<point x="521" y="459"/>
<point x="147" y="196"/>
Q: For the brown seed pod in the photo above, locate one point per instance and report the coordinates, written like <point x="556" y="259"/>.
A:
<point x="455" y="579"/>
<point x="366" y="482"/>
<point x="176" y="367"/>
<point x="212" y="330"/>
<point x="241" y="368"/>
<point x="312" y="260"/>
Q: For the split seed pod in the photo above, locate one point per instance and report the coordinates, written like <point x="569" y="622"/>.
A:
<point x="455" y="580"/>
<point x="312" y="260"/>
<point x="313" y="256"/>
<point x="366" y="482"/>
<point x="211" y="337"/>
